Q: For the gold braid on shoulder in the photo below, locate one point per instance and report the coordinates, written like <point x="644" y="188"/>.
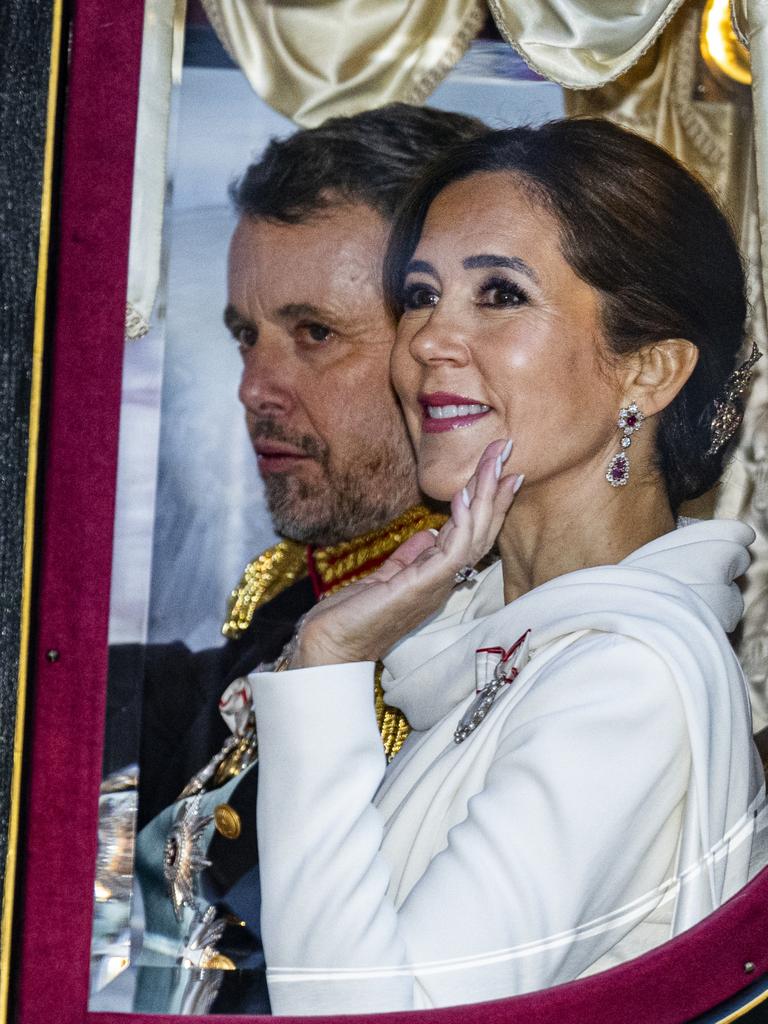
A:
<point x="263" y="579"/>
<point x="330" y="569"/>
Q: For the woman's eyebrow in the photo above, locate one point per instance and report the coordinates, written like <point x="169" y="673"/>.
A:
<point x="420" y="267"/>
<point x="489" y="260"/>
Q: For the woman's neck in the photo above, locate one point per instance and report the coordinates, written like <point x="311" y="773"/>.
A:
<point x="555" y="527"/>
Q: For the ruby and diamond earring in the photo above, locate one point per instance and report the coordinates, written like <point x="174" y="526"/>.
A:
<point x="630" y="420"/>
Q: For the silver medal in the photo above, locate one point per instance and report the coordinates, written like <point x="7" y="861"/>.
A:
<point x="505" y="672"/>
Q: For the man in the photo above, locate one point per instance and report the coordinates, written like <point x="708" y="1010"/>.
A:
<point x="306" y="309"/>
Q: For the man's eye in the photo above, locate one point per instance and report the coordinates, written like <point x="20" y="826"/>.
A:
<point x="419" y="296"/>
<point x="245" y="337"/>
<point x="314" y="332"/>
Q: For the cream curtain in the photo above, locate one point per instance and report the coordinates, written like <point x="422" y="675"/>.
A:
<point x="748" y="497"/>
<point x="315" y="59"/>
<point x="321" y="58"/>
<point x="149" y="173"/>
<point x="582" y="43"/>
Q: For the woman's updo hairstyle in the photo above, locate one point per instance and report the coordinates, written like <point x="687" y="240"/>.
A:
<point x="639" y="228"/>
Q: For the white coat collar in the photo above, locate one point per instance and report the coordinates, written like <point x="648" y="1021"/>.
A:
<point x="689" y="571"/>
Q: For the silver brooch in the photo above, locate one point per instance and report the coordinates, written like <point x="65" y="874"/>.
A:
<point x="507" y="668"/>
<point x="204" y="936"/>
<point x="199" y="781"/>
<point x="200" y="991"/>
<point x="183" y="859"/>
<point x="204" y="963"/>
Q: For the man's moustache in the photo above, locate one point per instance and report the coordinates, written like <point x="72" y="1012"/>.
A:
<point x="268" y="430"/>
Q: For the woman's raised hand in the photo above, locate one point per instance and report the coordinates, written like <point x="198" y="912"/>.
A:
<point x="365" y="619"/>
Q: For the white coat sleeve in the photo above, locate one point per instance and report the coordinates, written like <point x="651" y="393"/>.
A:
<point x="561" y="837"/>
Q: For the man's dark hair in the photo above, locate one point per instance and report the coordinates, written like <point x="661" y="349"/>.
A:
<point x="642" y="231"/>
<point x="371" y="158"/>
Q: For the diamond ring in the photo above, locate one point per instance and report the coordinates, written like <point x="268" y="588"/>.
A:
<point x="465" y="575"/>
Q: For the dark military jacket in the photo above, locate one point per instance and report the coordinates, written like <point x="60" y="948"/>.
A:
<point x="163" y="702"/>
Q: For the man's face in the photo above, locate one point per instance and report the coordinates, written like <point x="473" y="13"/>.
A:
<point x="306" y="309"/>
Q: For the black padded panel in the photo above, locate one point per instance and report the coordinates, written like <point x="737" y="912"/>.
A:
<point x="25" y="39"/>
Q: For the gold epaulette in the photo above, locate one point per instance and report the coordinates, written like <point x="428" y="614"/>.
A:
<point x="264" y="578"/>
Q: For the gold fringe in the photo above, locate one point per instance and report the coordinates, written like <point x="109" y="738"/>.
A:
<point x="392" y="723"/>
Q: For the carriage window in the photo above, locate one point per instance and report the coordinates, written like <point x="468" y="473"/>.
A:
<point x="210" y="571"/>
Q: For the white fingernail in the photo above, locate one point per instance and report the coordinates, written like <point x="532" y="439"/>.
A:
<point x="497" y="467"/>
<point x="433" y="531"/>
<point x="518" y="483"/>
<point x="465" y="497"/>
<point x="507" y="451"/>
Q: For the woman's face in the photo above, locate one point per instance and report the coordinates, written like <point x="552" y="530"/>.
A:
<point x="501" y="339"/>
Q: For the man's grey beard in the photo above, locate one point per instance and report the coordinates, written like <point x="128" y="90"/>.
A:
<point x="342" y="505"/>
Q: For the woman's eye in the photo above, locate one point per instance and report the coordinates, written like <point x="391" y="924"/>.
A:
<point x="419" y="296"/>
<point x="502" y="293"/>
<point x="314" y="332"/>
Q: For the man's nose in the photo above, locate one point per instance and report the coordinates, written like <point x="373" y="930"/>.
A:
<point x="266" y="385"/>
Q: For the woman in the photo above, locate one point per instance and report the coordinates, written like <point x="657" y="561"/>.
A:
<point x="580" y="783"/>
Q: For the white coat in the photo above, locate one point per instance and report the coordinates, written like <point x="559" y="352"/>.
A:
<point x="604" y="804"/>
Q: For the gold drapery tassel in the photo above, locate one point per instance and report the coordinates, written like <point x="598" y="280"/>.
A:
<point x="392" y="723"/>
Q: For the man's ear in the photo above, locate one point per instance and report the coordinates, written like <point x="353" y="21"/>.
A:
<point x="656" y="373"/>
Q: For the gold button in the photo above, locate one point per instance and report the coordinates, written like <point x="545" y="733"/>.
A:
<point x="227" y="821"/>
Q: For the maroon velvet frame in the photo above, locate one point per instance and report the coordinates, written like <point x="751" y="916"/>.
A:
<point x="675" y="983"/>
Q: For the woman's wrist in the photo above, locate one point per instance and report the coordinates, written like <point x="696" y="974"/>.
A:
<point x="311" y="652"/>
<point x="305" y="650"/>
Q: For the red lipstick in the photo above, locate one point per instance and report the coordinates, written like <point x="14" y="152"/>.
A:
<point x="443" y="410"/>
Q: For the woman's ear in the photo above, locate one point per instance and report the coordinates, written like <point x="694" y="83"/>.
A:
<point x="656" y="373"/>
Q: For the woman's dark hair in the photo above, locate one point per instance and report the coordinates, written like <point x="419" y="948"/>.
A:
<point x="639" y="228"/>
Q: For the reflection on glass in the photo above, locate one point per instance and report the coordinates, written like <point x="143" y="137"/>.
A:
<point x="111" y="943"/>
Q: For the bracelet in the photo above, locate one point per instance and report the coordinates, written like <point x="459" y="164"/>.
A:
<point x="285" y="657"/>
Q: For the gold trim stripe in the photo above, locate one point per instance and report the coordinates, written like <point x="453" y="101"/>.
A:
<point x="11" y="862"/>
<point x="737" y="1014"/>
